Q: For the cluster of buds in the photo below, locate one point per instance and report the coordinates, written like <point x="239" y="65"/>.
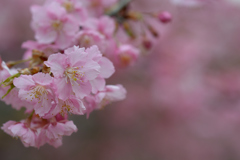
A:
<point x="78" y="43"/>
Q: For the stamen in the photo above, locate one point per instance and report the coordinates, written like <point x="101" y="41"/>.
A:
<point x="38" y="92"/>
<point x="68" y="6"/>
<point x="74" y="75"/>
<point x="57" y="25"/>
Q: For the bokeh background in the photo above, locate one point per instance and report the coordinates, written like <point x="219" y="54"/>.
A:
<point x="183" y="100"/>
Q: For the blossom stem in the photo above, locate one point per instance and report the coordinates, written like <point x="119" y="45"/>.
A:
<point x="9" y="90"/>
<point x="13" y="63"/>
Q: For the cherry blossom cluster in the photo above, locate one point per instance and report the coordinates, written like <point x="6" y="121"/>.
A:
<point x="75" y="84"/>
<point x="78" y="43"/>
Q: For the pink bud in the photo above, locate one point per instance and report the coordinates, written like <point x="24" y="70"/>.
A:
<point x="165" y="17"/>
<point x="147" y="44"/>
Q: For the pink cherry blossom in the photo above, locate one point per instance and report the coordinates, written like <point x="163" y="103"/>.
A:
<point x="97" y="7"/>
<point x="126" y="55"/>
<point x="88" y="38"/>
<point x="111" y="93"/>
<point x="11" y="98"/>
<point x="21" y="130"/>
<point x="73" y="71"/>
<point x="104" y="25"/>
<point x="73" y="7"/>
<point x="52" y="24"/>
<point x="37" y="90"/>
<point x="54" y="130"/>
<point x="46" y="49"/>
<point x="73" y="105"/>
<point x="106" y="70"/>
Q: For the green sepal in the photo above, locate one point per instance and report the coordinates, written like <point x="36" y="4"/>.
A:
<point x="9" y="90"/>
<point x="10" y="79"/>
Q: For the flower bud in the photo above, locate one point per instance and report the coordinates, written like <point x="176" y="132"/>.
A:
<point x="165" y="17"/>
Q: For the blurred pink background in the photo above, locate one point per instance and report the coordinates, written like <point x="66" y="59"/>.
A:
<point x="183" y="100"/>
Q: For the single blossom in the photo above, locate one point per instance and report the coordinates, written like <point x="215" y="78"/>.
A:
<point x="73" y="105"/>
<point x="12" y="97"/>
<point x="37" y="90"/>
<point x="88" y="38"/>
<point x="21" y="130"/>
<point x="73" y="7"/>
<point x="52" y="24"/>
<point x="97" y="7"/>
<point x="54" y="130"/>
<point x="126" y="55"/>
<point x="111" y="93"/>
<point x="46" y="49"/>
<point x="73" y="72"/>
<point x="104" y="25"/>
<point x="106" y="68"/>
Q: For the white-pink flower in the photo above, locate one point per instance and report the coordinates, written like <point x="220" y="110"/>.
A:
<point x="126" y="55"/>
<point x="97" y="7"/>
<point x="46" y="49"/>
<point x="37" y="90"/>
<point x="73" y="71"/>
<point x="88" y="38"/>
<point x="21" y="130"/>
<point x="12" y="97"/>
<point x="73" y="105"/>
<point x="104" y="25"/>
<point x="106" y="68"/>
<point x="52" y="24"/>
<point x="73" y="7"/>
<point x="53" y="132"/>
<point x="111" y="93"/>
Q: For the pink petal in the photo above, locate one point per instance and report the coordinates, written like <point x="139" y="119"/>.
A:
<point x="17" y="129"/>
<point x="98" y="84"/>
<point x="64" y="89"/>
<point x="107" y="68"/>
<point x="43" y="107"/>
<point x="24" y="82"/>
<point x="42" y="79"/>
<point x="81" y="90"/>
<point x="91" y="69"/>
<point x="57" y="63"/>
<point x="6" y="126"/>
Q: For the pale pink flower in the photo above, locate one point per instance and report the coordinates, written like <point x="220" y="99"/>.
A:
<point x="53" y="131"/>
<point x="106" y="68"/>
<point x="37" y="90"/>
<point x="104" y="25"/>
<point x="46" y="49"/>
<point x="73" y="71"/>
<point x="97" y="7"/>
<point x="126" y="55"/>
<point x="88" y="38"/>
<point x="12" y="97"/>
<point x="73" y="105"/>
<point x="21" y="130"/>
<point x="52" y="24"/>
<point x="36" y="131"/>
<point x="111" y="93"/>
<point x="73" y="7"/>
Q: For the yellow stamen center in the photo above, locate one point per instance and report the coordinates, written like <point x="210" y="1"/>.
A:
<point x="57" y="25"/>
<point x="74" y="74"/>
<point x="68" y="6"/>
